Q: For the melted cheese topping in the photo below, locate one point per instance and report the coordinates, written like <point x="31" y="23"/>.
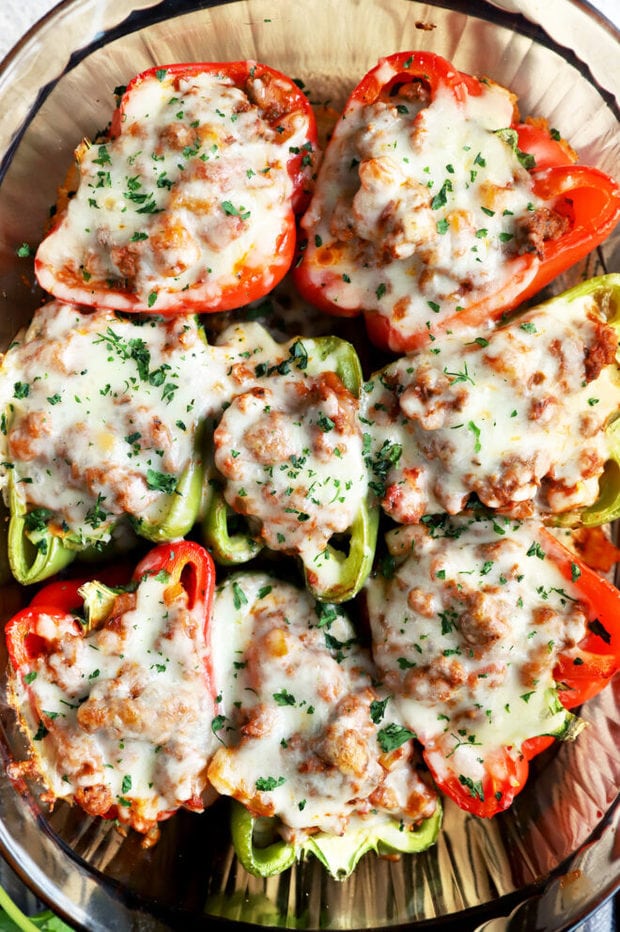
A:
<point x="518" y="417"/>
<point x="101" y="414"/>
<point x="417" y="209"/>
<point x="193" y="190"/>
<point x="466" y="634"/>
<point x="301" y="723"/>
<point x="122" y="709"/>
<point x="291" y="452"/>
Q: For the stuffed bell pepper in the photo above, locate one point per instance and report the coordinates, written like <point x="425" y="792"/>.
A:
<point x="289" y="459"/>
<point x="525" y="418"/>
<point x="436" y="209"/>
<point x="485" y="632"/>
<point x="189" y="203"/>
<point x="113" y="685"/>
<point x="101" y="428"/>
<point x="309" y="754"/>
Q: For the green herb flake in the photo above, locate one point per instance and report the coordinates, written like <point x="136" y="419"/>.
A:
<point x="267" y="784"/>
<point x="377" y="709"/>
<point x="21" y="390"/>
<point x="441" y="197"/>
<point x="231" y="211"/>
<point x="284" y="698"/>
<point x="536" y="550"/>
<point x="161" y="481"/>
<point x="474" y="787"/>
<point x="393" y="736"/>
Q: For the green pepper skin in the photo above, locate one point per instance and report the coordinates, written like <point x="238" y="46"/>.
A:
<point x="182" y="511"/>
<point x="606" y="290"/>
<point x="32" y="561"/>
<point x="35" y="556"/>
<point x="227" y="549"/>
<point x="342" y="574"/>
<point x="260" y="862"/>
<point x="339" y="855"/>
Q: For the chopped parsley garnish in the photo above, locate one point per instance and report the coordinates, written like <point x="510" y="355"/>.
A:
<point x="474" y="787"/>
<point x="266" y="784"/>
<point x="284" y="697"/>
<point x="377" y="709"/>
<point x="393" y="736"/>
<point x="231" y="211"/>
<point x="536" y="550"/>
<point x="161" y="481"/>
<point x="239" y="597"/>
<point x="441" y="197"/>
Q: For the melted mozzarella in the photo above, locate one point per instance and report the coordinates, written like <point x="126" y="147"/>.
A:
<point x="121" y="711"/>
<point x="290" y="447"/>
<point x="101" y="413"/>
<point x="194" y="189"/>
<point x="416" y="212"/>
<point x="467" y="632"/>
<point x="300" y="720"/>
<point x="518" y="417"/>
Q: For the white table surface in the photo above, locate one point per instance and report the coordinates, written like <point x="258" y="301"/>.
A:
<point x="17" y="16"/>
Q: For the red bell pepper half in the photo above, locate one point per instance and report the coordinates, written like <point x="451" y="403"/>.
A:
<point x="580" y="675"/>
<point x="186" y="205"/>
<point x="584" y="202"/>
<point x="55" y="615"/>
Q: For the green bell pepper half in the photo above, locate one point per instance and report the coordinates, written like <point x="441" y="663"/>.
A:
<point x="606" y="291"/>
<point x="339" y="854"/>
<point x="39" y="547"/>
<point x="341" y="573"/>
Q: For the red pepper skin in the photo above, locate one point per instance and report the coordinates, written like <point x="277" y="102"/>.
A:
<point x="588" y="197"/>
<point x="187" y="564"/>
<point x="63" y="594"/>
<point x="506" y="771"/>
<point x="251" y="283"/>
<point x="537" y="140"/>
<point x="598" y="659"/>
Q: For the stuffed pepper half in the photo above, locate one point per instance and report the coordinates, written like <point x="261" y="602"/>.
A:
<point x="289" y="457"/>
<point x="113" y="687"/>
<point x="310" y="750"/>
<point x="524" y="417"/>
<point x="435" y="208"/>
<point x="102" y="421"/>
<point x="485" y="631"/>
<point x="189" y="204"/>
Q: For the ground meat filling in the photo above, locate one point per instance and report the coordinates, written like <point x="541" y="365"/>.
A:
<point x="121" y="709"/>
<point x="517" y="417"/>
<point x="423" y="206"/>
<point x="302" y="732"/>
<point x="535" y="229"/>
<point x="291" y="454"/>
<point x="467" y="631"/>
